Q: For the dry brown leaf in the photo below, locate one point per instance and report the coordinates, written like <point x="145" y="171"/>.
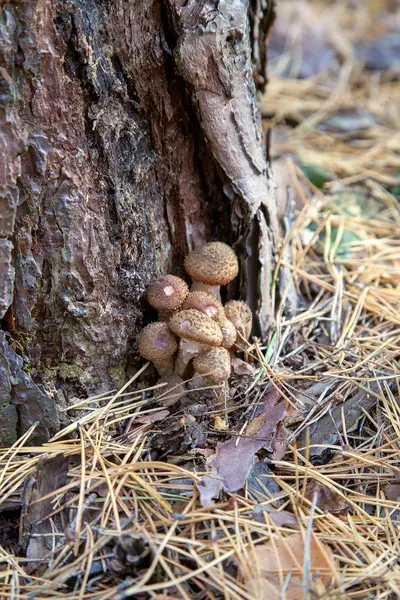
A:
<point x="268" y="565"/>
<point x="240" y="367"/>
<point x="255" y="425"/>
<point x="219" y="423"/>
<point x="281" y="518"/>
<point x="233" y="460"/>
<point x="327" y="499"/>
<point x="278" y="445"/>
<point x="159" y="415"/>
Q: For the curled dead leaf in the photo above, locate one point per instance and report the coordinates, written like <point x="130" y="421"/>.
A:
<point x="266" y="567"/>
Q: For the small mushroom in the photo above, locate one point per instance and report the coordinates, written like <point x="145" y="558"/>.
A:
<point x="229" y="333"/>
<point x="206" y="303"/>
<point x="158" y="344"/>
<point x="214" y="365"/>
<point x="211" y="266"/>
<point x="196" y="330"/>
<point x="241" y="316"/>
<point x="167" y="294"/>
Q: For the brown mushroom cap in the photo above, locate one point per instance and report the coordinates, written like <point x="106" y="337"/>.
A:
<point x="241" y="316"/>
<point x="156" y="342"/>
<point x="206" y="303"/>
<point x="229" y="333"/>
<point x="214" y="365"/>
<point x="167" y="292"/>
<point x="213" y="264"/>
<point x="194" y="325"/>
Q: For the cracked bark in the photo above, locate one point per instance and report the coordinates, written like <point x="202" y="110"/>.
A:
<point x="129" y="135"/>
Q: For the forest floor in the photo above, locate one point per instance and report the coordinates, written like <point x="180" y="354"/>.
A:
<point x="118" y="505"/>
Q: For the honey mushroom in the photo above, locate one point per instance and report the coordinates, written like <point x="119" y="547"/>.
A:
<point x="195" y="323"/>
<point x="167" y="294"/>
<point x="241" y="316"/>
<point x="211" y="266"/>
<point x="158" y="344"/>
<point x="206" y="303"/>
<point x="229" y="334"/>
<point x="214" y="365"/>
<point x="196" y="331"/>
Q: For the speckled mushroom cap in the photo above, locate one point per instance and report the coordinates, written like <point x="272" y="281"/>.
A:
<point x="194" y="325"/>
<point x="167" y="293"/>
<point x="241" y="316"/>
<point x="156" y="342"/>
<point x="229" y="333"/>
<point x="213" y="264"/>
<point x="214" y="365"/>
<point x="206" y="303"/>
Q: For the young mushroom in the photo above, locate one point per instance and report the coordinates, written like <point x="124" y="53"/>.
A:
<point x="167" y="294"/>
<point x="241" y="316"/>
<point x="211" y="266"/>
<point x="229" y="333"/>
<point x="214" y="365"/>
<point x="206" y="303"/>
<point x="196" y="330"/>
<point x="158" y="344"/>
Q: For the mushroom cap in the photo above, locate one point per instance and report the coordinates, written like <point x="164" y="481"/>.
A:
<point x="229" y="333"/>
<point x="241" y="316"/>
<point x="194" y="325"/>
<point x="214" y="264"/>
<point x="206" y="303"/>
<point x="214" y="365"/>
<point x="167" y="292"/>
<point x="156" y="342"/>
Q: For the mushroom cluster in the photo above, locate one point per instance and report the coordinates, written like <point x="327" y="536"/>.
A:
<point x="196" y="334"/>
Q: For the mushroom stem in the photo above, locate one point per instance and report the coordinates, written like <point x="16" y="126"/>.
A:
<point x="197" y="286"/>
<point x="187" y="350"/>
<point x="165" y="315"/>
<point x="165" y="366"/>
<point x="214" y="365"/>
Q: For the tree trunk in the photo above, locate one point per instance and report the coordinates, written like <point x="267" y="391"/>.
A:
<point x="129" y="135"/>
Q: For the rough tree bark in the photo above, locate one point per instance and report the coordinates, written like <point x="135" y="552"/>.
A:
<point x="129" y="135"/>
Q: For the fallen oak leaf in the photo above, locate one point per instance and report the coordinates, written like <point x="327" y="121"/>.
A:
<point x="266" y="566"/>
<point x="233" y="460"/>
